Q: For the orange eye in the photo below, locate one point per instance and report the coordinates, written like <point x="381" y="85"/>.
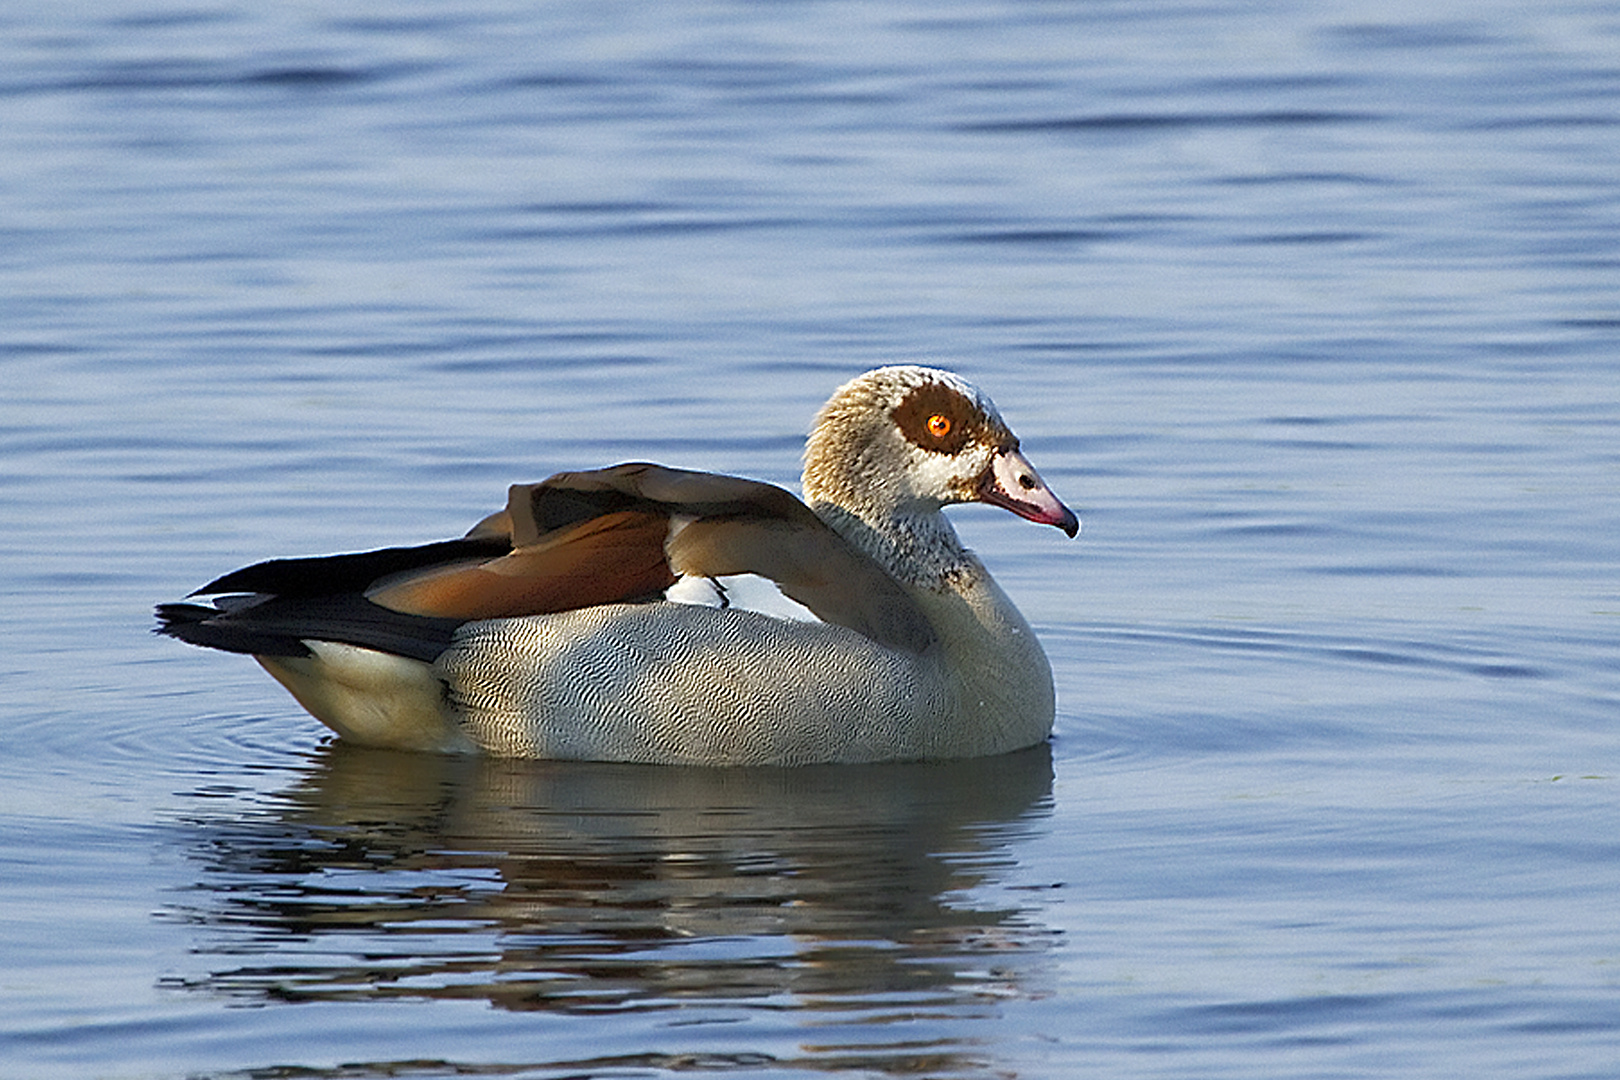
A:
<point x="939" y="426"/>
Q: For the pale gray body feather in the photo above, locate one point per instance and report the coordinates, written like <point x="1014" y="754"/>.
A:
<point x="678" y="683"/>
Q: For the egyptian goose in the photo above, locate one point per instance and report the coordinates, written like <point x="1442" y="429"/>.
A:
<point x="600" y="615"/>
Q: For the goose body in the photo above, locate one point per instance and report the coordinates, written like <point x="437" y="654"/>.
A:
<point x="600" y="616"/>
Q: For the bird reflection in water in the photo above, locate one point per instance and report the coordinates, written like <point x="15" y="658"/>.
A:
<point x="875" y="892"/>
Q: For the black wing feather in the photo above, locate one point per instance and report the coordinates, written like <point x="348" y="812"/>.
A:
<point x="321" y="598"/>
<point x="327" y="575"/>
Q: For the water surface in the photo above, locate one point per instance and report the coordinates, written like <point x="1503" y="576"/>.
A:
<point x="1308" y="309"/>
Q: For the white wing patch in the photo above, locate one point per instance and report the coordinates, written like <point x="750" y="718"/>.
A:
<point x="743" y="592"/>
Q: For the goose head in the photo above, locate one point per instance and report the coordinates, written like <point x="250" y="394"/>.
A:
<point x="894" y="446"/>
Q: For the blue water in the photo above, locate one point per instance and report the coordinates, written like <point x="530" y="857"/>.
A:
<point x="1311" y="310"/>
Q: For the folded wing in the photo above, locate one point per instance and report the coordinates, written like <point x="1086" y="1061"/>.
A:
<point x="619" y="535"/>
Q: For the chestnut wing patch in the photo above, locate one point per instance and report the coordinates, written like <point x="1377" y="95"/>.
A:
<point x="613" y="558"/>
<point x="628" y="532"/>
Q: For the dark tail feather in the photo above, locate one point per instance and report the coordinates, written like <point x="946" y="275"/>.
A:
<point x="276" y="626"/>
<point x="205" y="625"/>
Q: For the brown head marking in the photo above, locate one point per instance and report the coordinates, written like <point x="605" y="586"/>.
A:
<point x="939" y="418"/>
